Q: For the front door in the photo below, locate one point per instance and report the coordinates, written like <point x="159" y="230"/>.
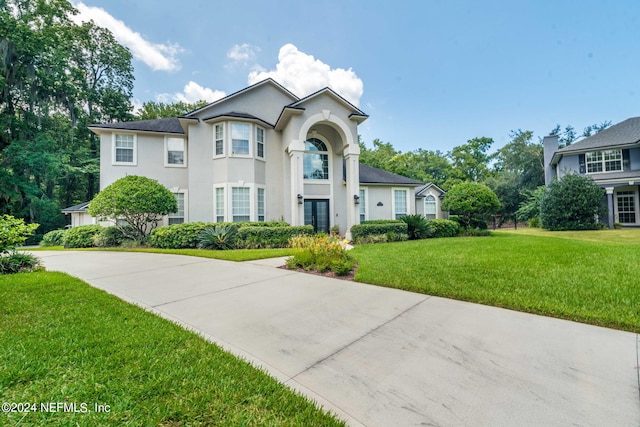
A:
<point x="316" y="213"/>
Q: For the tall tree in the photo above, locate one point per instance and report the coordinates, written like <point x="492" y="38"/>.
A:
<point x="151" y="110"/>
<point x="472" y="159"/>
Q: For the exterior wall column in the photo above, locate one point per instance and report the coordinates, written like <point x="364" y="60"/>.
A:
<point x="352" y="160"/>
<point x="610" y="206"/>
<point x="297" y="185"/>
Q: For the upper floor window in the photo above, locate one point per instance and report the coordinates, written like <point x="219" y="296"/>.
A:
<point x="316" y="159"/>
<point x="260" y="143"/>
<point x="175" y="152"/>
<point x="219" y="140"/>
<point x="430" y="207"/>
<point x="124" y="149"/>
<point x="240" y="138"/>
<point x="604" y="161"/>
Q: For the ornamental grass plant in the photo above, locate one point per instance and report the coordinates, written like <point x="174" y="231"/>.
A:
<point x="321" y="253"/>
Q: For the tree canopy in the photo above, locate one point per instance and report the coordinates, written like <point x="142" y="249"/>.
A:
<point x="139" y="201"/>
<point x="472" y="202"/>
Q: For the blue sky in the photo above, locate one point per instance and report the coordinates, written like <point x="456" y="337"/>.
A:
<point x="430" y="74"/>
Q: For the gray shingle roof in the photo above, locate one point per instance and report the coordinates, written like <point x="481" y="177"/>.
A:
<point x="82" y="207"/>
<point x="623" y="133"/>
<point x="370" y="175"/>
<point x="236" y="115"/>
<point x="171" y="125"/>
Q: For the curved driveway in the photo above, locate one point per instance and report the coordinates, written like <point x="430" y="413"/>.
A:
<point x="384" y="357"/>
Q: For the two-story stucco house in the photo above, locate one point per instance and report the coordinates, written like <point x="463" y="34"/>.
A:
<point x="262" y="154"/>
<point x="612" y="158"/>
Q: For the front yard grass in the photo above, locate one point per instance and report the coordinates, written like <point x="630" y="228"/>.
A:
<point x="587" y="276"/>
<point x="62" y="340"/>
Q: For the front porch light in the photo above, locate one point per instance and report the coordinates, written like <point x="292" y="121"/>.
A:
<point x="356" y="199"/>
<point x="300" y="199"/>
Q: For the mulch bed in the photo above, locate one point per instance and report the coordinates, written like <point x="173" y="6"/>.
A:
<point x="350" y="276"/>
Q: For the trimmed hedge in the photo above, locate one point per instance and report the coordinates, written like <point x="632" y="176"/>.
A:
<point x="251" y="235"/>
<point x="397" y="230"/>
<point x="269" y="237"/>
<point x="81" y="236"/>
<point x="178" y="236"/>
<point x="382" y="221"/>
<point x="111" y="237"/>
<point x="53" y="238"/>
<point x="443" y="228"/>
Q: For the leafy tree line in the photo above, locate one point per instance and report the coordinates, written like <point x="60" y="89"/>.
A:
<point x="513" y="172"/>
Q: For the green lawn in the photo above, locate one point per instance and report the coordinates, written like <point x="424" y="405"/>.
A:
<point x="62" y="340"/>
<point x="587" y="276"/>
<point x="229" y="255"/>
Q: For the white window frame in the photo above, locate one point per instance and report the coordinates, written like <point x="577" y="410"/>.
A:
<point x="393" y="203"/>
<point x="363" y="208"/>
<point x="435" y="206"/>
<point x="260" y="142"/>
<point x="261" y="213"/>
<point x="113" y="149"/>
<point x="215" y="140"/>
<point x="633" y="195"/>
<point x="603" y="158"/>
<point x="219" y="206"/>
<point x="185" y="205"/>
<point x="233" y="205"/>
<point x="249" y="152"/>
<point x="166" y="153"/>
<point x="328" y="153"/>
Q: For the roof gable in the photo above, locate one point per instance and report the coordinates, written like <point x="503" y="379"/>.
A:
<point x="328" y="91"/>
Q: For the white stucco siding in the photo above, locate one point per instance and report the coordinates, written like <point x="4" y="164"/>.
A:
<point x="379" y="195"/>
<point x="201" y="172"/>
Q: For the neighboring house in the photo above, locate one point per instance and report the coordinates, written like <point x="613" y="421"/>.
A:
<point x="79" y="215"/>
<point x="429" y="201"/>
<point x="260" y="154"/>
<point x="612" y="159"/>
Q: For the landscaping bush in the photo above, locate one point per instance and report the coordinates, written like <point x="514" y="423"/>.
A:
<point x="219" y="237"/>
<point x="269" y="237"/>
<point x="382" y="221"/>
<point x="362" y="233"/>
<point x="15" y="262"/>
<point x="53" y="238"/>
<point x="14" y="232"/>
<point x="178" y="236"/>
<point x="443" y="228"/>
<point x="111" y="236"/>
<point x="417" y="226"/>
<point x="573" y="202"/>
<point x="321" y="253"/>
<point x="80" y="237"/>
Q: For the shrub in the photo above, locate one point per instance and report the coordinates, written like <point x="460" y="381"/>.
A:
<point x="443" y="228"/>
<point x="534" y="222"/>
<point x="219" y="237"/>
<point x="382" y="221"/>
<point x="53" y="238"/>
<point x="80" y="237"/>
<point x="573" y="202"/>
<point x="15" y="262"/>
<point x="178" y="236"/>
<point x="417" y="226"/>
<point x="270" y="237"/>
<point x="14" y="232"/>
<point x="361" y="232"/>
<point x="111" y="236"/>
<point x="472" y="203"/>
<point x="320" y="253"/>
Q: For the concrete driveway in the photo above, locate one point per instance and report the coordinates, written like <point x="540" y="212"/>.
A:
<point x="384" y="357"/>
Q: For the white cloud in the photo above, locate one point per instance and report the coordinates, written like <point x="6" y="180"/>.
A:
<point x="243" y="52"/>
<point x="157" y="56"/>
<point x="302" y="74"/>
<point x="192" y="92"/>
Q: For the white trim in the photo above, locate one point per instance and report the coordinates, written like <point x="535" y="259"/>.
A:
<point x="364" y="203"/>
<point x="435" y="205"/>
<point x="185" y="194"/>
<point x="264" y="142"/>
<point x="264" y="202"/>
<point x="224" y="133"/>
<point x="224" y="203"/>
<point x="113" y="149"/>
<point x="166" y="153"/>
<point x="603" y="162"/>
<point x="393" y="201"/>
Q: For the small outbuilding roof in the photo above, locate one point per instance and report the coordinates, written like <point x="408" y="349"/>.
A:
<point x="81" y="207"/>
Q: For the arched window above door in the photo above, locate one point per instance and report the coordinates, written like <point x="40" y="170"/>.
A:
<point x="315" y="159"/>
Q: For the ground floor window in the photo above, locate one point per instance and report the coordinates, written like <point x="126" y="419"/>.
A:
<point x="363" y="205"/>
<point x="260" y="204"/>
<point x="430" y="209"/>
<point x="220" y="204"/>
<point x="178" y="217"/>
<point x="400" y="203"/>
<point x="240" y="204"/>
<point x="626" y="207"/>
